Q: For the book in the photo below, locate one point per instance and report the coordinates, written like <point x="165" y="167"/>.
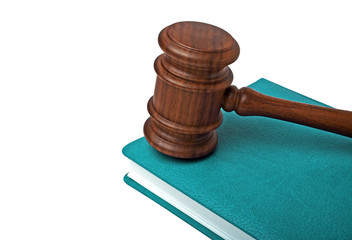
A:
<point x="266" y="179"/>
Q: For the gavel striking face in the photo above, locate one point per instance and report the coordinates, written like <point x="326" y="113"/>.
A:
<point x="193" y="83"/>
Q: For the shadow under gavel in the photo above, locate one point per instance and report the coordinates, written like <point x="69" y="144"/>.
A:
<point x="193" y="83"/>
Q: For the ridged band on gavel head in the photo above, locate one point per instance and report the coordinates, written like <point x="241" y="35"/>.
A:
<point x="192" y="76"/>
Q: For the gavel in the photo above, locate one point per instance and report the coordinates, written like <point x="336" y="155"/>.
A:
<point x="193" y="83"/>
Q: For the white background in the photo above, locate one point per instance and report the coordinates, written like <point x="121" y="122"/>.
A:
<point x="75" y="78"/>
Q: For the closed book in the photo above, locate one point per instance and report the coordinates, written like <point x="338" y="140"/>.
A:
<point x="266" y="179"/>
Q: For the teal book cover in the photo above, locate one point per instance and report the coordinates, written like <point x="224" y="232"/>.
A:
<point x="269" y="178"/>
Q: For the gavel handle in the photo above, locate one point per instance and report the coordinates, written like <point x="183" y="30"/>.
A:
<point x="248" y="102"/>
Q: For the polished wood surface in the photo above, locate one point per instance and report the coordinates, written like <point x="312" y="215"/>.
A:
<point x="193" y="83"/>
<point x="192" y="76"/>
<point x="248" y="102"/>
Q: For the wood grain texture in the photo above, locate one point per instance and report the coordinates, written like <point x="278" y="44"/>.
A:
<point x="193" y="83"/>
<point x="248" y="102"/>
<point x="192" y="76"/>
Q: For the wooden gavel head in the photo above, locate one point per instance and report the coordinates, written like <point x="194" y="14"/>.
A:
<point x="192" y="76"/>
